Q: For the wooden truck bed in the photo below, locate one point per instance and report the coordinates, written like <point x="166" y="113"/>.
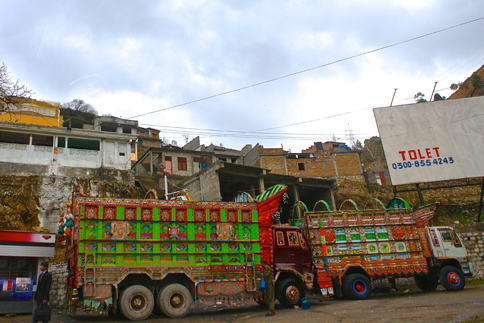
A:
<point x="382" y="242"/>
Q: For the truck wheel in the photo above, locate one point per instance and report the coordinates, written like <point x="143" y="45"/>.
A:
<point x="289" y="293"/>
<point x="174" y="300"/>
<point x="136" y="303"/>
<point x="426" y="283"/>
<point x="357" y="286"/>
<point x="452" y="278"/>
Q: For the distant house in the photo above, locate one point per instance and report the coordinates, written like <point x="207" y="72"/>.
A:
<point x="322" y="160"/>
<point x="30" y="111"/>
<point x="147" y="137"/>
<point x="29" y="144"/>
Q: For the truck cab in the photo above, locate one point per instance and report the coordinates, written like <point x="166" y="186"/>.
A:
<point x="293" y="264"/>
<point x="448" y="249"/>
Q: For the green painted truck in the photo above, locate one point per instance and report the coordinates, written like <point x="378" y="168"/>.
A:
<point x="134" y="256"/>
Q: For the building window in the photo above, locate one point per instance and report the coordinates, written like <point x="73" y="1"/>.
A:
<point x="182" y="163"/>
<point x="83" y="144"/>
<point x="14" y="138"/>
<point x="40" y="140"/>
<point x="301" y="166"/>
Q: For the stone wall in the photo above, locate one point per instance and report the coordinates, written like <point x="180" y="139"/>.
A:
<point x="472" y="236"/>
<point x="58" y="288"/>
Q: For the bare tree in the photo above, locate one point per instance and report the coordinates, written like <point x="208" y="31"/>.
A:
<point x="186" y="136"/>
<point x="80" y="106"/>
<point x="10" y="90"/>
<point x="164" y="141"/>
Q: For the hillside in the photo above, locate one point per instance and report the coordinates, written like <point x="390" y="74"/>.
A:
<point x="467" y="89"/>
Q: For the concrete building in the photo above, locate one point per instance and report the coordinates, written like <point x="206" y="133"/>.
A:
<point x="55" y="147"/>
<point x="223" y="181"/>
<point x="147" y="137"/>
<point x="175" y="163"/>
<point x="221" y="153"/>
<point x="322" y="160"/>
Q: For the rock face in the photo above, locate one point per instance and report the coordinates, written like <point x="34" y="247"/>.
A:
<point x="34" y="202"/>
<point x="19" y="202"/>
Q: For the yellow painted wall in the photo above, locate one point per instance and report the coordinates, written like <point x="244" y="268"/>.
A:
<point x="34" y="112"/>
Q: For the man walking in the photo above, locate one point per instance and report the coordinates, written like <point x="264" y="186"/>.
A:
<point x="270" y="288"/>
<point x="43" y="289"/>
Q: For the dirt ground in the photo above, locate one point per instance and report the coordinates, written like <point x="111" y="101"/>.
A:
<point x="403" y="306"/>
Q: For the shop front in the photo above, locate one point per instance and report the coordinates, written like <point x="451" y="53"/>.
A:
<point x="20" y="255"/>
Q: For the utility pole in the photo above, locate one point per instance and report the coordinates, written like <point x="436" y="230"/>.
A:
<point x="432" y="95"/>
<point x="391" y="103"/>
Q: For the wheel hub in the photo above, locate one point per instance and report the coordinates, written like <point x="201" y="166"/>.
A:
<point x="360" y="287"/>
<point x="138" y="303"/>
<point x="292" y="293"/>
<point x="453" y="278"/>
<point x="176" y="301"/>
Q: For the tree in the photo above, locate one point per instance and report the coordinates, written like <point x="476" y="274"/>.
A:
<point x="438" y="97"/>
<point x="11" y="91"/>
<point x="186" y="136"/>
<point x="357" y="146"/>
<point x="79" y="106"/>
<point x="164" y="141"/>
<point x="419" y="97"/>
<point x="456" y="86"/>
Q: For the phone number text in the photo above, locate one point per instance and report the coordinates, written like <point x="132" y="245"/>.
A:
<point x="424" y="163"/>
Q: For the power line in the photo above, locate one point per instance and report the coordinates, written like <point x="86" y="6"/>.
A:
<point x="239" y="134"/>
<point x="309" y="69"/>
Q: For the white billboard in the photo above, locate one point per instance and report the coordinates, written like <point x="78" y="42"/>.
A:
<point x="435" y="141"/>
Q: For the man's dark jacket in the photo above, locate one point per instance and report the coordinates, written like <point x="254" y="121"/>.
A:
<point x="43" y="287"/>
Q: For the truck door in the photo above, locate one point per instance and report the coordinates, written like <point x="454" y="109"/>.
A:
<point x="291" y="249"/>
<point x="450" y="244"/>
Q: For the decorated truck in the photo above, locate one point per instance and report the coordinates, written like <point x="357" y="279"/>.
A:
<point x="134" y="256"/>
<point x="356" y="247"/>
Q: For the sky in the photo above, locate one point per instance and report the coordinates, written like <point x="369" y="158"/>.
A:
<point x="278" y="73"/>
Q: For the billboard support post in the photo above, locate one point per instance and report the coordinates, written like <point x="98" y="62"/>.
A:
<point x="480" y="201"/>
<point x="420" y="195"/>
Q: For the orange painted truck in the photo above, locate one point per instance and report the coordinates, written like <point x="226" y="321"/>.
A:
<point x="356" y="247"/>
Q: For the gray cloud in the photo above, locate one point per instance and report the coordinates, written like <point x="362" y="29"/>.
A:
<point x="183" y="51"/>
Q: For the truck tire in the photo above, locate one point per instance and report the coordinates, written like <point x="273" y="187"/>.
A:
<point x="426" y="283"/>
<point x="452" y="278"/>
<point x="289" y="293"/>
<point x="174" y="300"/>
<point x="136" y="303"/>
<point x="356" y="287"/>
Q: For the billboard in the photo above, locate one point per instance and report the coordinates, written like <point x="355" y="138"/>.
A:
<point x="434" y="141"/>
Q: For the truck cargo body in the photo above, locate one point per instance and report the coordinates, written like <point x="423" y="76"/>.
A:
<point x="132" y="255"/>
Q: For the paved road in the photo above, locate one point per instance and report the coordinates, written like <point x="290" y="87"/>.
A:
<point x="413" y="306"/>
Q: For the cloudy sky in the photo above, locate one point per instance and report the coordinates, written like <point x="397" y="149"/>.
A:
<point x="239" y="72"/>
